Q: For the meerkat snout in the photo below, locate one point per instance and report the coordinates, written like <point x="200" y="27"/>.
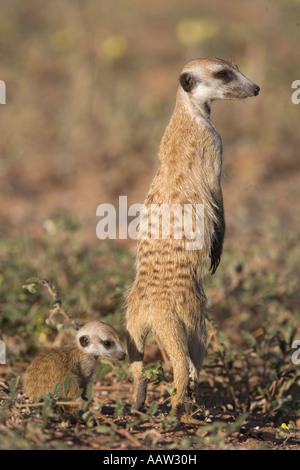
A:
<point x="256" y="90"/>
<point x="206" y="80"/>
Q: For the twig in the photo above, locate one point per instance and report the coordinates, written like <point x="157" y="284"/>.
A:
<point x="259" y="434"/>
<point x="123" y="432"/>
<point x="20" y="364"/>
<point x="112" y="387"/>
<point x="144" y="415"/>
<point x="76" y="403"/>
<point x="44" y="282"/>
<point x="56" y="300"/>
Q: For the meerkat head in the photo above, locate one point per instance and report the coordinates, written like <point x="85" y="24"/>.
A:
<point x="100" y="340"/>
<point x="206" y="80"/>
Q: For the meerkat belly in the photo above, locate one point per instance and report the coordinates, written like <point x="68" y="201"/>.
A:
<point x="166" y="267"/>
<point x="210" y="156"/>
<point x="178" y="224"/>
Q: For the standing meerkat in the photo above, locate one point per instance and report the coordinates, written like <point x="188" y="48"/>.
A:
<point x="167" y="296"/>
<point x="78" y="360"/>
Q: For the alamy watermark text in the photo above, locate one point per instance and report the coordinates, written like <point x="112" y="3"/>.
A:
<point x="158" y="221"/>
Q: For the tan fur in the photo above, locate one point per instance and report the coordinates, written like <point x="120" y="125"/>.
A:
<point x="75" y="360"/>
<point x="53" y="366"/>
<point x="167" y="296"/>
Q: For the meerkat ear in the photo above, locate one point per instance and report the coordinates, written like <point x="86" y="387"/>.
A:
<point x="84" y="341"/>
<point x="186" y="81"/>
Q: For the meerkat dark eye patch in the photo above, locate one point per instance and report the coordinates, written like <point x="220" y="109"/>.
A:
<point x="186" y="81"/>
<point x="84" y="341"/>
<point x="107" y="343"/>
<point x="224" y="75"/>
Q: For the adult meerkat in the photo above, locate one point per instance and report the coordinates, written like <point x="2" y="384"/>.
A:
<point x="167" y="296"/>
<point x="78" y="360"/>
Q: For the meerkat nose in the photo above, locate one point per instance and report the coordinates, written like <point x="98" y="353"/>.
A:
<point x="256" y="90"/>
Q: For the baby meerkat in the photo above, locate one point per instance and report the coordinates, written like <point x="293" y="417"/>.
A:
<point x="78" y="360"/>
<point x="167" y="296"/>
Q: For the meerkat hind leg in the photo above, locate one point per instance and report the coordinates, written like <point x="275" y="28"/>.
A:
<point x="176" y="350"/>
<point x="181" y="382"/>
<point x="135" y="346"/>
<point x="197" y="351"/>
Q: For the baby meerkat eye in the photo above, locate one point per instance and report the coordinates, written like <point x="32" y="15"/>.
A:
<point x="107" y="344"/>
<point x="224" y="75"/>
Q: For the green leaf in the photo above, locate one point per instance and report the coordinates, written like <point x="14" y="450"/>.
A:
<point x="119" y="408"/>
<point x="90" y="392"/>
<point x="104" y="429"/>
<point x="31" y="288"/>
<point x="35" y="280"/>
<point x="58" y="389"/>
<point x="103" y="369"/>
<point x="153" y="408"/>
<point x="185" y="443"/>
<point x="67" y="384"/>
<point x="249" y="338"/>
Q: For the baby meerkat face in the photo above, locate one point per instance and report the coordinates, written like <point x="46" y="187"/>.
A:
<point x="100" y="340"/>
<point x="206" y="80"/>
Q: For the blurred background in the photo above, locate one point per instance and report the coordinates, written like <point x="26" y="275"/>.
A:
<point x="90" y="88"/>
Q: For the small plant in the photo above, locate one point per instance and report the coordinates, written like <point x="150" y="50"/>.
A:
<point x="287" y="430"/>
<point x="31" y="286"/>
<point x="155" y="373"/>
